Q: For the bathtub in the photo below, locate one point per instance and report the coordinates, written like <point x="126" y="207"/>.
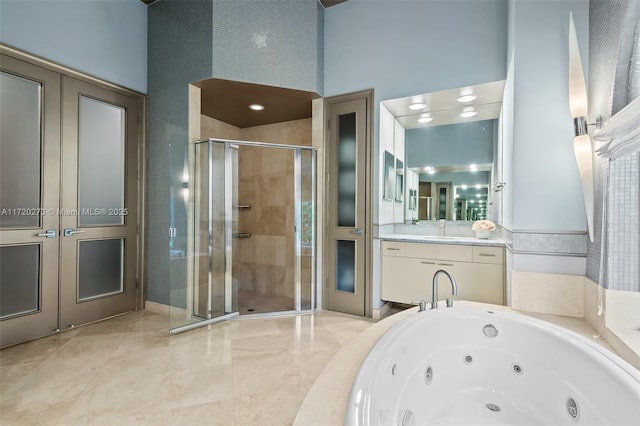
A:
<point x="462" y="366"/>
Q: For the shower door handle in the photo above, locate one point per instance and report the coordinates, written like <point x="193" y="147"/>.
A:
<point x="357" y="231"/>
<point x="242" y="235"/>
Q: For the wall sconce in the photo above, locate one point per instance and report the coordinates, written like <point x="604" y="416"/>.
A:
<point x="582" y="141"/>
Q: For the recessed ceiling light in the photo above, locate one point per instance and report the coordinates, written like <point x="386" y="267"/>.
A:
<point x="463" y="186"/>
<point x="417" y="105"/>
<point x="478" y="186"/>
<point x="432" y="172"/>
<point x="256" y="107"/>
<point x="425" y="118"/>
<point x="468" y="112"/>
<point x="467" y="98"/>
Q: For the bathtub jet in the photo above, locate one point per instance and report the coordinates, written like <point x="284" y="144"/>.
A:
<point x="464" y="366"/>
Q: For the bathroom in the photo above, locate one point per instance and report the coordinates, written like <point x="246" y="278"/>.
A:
<point x="541" y="210"/>
<point x="551" y="265"/>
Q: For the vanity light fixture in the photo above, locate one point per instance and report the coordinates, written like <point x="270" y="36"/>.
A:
<point x="417" y="105"/>
<point x="582" y="142"/>
<point x="468" y="112"/>
<point x="425" y="118"/>
<point x="256" y="107"/>
<point x="467" y="98"/>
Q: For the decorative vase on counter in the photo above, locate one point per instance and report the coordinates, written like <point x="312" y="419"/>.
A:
<point x="483" y="234"/>
<point x="483" y="228"/>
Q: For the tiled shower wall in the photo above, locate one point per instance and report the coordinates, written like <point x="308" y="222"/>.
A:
<point x="610" y="39"/>
<point x="179" y="52"/>
<point x="276" y="42"/>
<point x="266" y="183"/>
<point x="266" y="260"/>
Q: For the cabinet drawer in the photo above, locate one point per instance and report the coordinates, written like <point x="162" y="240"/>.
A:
<point x="439" y="251"/>
<point x="488" y="255"/>
<point x="393" y="248"/>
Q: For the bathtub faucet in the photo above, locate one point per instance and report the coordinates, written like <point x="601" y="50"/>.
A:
<point x="434" y="288"/>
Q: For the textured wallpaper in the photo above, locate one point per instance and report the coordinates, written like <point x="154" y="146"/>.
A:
<point x="613" y="26"/>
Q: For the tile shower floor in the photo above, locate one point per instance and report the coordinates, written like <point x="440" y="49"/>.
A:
<point x="128" y="370"/>
<point x="250" y="302"/>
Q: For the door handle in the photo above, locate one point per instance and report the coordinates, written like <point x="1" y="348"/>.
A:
<point x="357" y="231"/>
<point x="50" y="233"/>
<point x="69" y="232"/>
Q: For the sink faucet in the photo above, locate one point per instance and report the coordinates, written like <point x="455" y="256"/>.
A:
<point x="434" y="288"/>
<point x="441" y="225"/>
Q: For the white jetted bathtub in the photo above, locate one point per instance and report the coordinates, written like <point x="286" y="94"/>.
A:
<point x="459" y="366"/>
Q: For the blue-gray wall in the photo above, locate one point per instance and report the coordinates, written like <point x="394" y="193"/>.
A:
<point x="103" y="38"/>
<point x="546" y="184"/>
<point x="543" y="200"/>
<point x="277" y="43"/>
<point x="451" y="145"/>
<point x="406" y="47"/>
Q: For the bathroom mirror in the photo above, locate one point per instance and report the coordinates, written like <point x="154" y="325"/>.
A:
<point x="451" y="142"/>
<point x="389" y="176"/>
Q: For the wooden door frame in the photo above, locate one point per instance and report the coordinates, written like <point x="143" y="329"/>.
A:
<point x="368" y="227"/>
<point x="142" y="149"/>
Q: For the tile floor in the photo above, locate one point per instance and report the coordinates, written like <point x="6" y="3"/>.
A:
<point x="251" y="302"/>
<point x="128" y="370"/>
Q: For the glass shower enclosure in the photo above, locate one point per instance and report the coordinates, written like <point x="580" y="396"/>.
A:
<point x="251" y="231"/>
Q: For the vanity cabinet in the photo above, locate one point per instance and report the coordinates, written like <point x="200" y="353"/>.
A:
<point x="408" y="269"/>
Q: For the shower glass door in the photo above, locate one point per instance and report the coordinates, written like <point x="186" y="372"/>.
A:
<point x="253" y="217"/>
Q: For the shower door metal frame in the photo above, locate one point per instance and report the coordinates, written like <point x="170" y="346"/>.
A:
<point x="229" y="147"/>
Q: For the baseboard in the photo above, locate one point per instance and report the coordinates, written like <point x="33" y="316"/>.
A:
<point x="158" y="308"/>
<point x="378" y="314"/>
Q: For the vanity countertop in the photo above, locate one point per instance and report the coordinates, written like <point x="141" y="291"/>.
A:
<point x="434" y="239"/>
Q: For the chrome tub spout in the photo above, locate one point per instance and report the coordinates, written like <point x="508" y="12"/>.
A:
<point x="434" y="288"/>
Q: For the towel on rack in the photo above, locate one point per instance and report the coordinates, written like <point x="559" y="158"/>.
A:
<point x="621" y="132"/>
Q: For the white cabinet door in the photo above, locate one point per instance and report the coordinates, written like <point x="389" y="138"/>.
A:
<point x="480" y="282"/>
<point x="406" y="280"/>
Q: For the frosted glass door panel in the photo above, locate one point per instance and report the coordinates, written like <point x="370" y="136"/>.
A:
<point x="346" y="270"/>
<point x="347" y="169"/>
<point x="20" y="148"/>
<point x="19" y="280"/>
<point x="101" y="171"/>
<point x="101" y="269"/>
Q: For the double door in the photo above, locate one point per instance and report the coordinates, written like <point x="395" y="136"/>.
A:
<point x="68" y="201"/>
